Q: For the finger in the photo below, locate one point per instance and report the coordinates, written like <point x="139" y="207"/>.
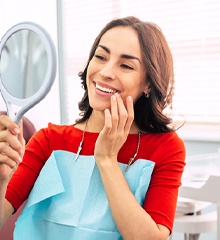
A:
<point x="7" y="123"/>
<point x="5" y="160"/>
<point x="122" y="112"/>
<point x="10" y="139"/>
<point x="114" y="112"/>
<point x="8" y="155"/>
<point x="20" y="135"/>
<point x="130" y="111"/>
<point x="108" y="122"/>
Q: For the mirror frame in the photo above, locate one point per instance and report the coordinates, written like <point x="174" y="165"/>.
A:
<point x="29" y="102"/>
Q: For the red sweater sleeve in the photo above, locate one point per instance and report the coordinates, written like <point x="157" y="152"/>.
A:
<point x="38" y="150"/>
<point x="22" y="181"/>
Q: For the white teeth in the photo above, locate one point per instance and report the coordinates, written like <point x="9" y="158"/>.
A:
<point x="104" y="89"/>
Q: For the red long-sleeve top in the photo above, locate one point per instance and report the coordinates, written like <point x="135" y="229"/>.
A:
<point x="165" y="149"/>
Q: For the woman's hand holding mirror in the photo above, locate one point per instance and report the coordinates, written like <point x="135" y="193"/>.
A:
<point x="12" y="146"/>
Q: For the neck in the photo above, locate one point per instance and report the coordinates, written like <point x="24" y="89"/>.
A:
<point x="96" y="121"/>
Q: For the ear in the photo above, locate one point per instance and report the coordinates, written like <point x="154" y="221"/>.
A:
<point x="147" y="89"/>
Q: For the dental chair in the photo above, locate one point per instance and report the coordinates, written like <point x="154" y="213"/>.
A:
<point x="198" y="207"/>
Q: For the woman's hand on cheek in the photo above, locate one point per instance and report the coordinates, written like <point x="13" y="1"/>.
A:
<point x="118" y="122"/>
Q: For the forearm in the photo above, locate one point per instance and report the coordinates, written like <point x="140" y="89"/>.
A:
<point x="6" y="209"/>
<point x="131" y="219"/>
<point x="3" y="187"/>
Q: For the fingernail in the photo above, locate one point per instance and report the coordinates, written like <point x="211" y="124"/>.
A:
<point x="21" y="152"/>
<point x="129" y="98"/>
<point x="113" y="97"/>
<point x="16" y="130"/>
<point x="19" y="159"/>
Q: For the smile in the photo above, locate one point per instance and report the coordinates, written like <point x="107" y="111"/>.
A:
<point x="105" y="89"/>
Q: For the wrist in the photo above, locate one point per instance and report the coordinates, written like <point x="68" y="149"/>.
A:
<point x="107" y="163"/>
<point x="3" y="184"/>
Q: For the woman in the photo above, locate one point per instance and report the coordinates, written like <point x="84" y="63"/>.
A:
<point x="114" y="174"/>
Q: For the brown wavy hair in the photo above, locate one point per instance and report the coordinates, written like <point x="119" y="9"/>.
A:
<point x="148" y="112"/>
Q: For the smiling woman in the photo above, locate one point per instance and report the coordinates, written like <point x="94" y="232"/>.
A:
<point x="125" y="148"/>
<point x="109" y="64"/>
<point x="193" y="33"/>
<point x="138" y="72"/>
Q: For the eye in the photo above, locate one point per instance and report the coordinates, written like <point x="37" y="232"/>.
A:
<point x="126" y="66"/>
<point x="99" y="57"/>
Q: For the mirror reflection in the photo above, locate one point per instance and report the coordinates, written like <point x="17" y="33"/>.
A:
<point x="23" y="64"/>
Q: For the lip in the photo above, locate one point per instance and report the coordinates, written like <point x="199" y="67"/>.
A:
<point x="106" y="87"/>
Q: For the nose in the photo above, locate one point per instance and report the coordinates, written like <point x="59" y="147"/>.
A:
<point x="108" y="71"/>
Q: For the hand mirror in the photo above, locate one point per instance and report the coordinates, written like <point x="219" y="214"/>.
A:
<point x="27" y="67"/>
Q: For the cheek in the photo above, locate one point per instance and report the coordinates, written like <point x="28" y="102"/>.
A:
<point x="87" y="77"/>
<point x="133" y="92"/>
<point x="137" y="95"/>
<point x="91" y="70"/>
<point x="89" y="73"/>
<point x="93" y="66"/>
<point x="88" y="69"/>
<point x="136" y="89"/>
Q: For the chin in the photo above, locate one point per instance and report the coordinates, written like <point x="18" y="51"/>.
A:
<point x="98" y="106"/>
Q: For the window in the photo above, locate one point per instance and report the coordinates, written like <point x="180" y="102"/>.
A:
<point x="192" y="29"/>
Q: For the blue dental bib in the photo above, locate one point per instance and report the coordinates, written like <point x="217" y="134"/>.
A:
<point x="68" y="200"/>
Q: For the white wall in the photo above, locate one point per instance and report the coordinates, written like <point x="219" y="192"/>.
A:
<point x="43" y="13"/>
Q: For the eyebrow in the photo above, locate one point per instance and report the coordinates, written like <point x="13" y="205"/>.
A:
<point x="126" y="56"/>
